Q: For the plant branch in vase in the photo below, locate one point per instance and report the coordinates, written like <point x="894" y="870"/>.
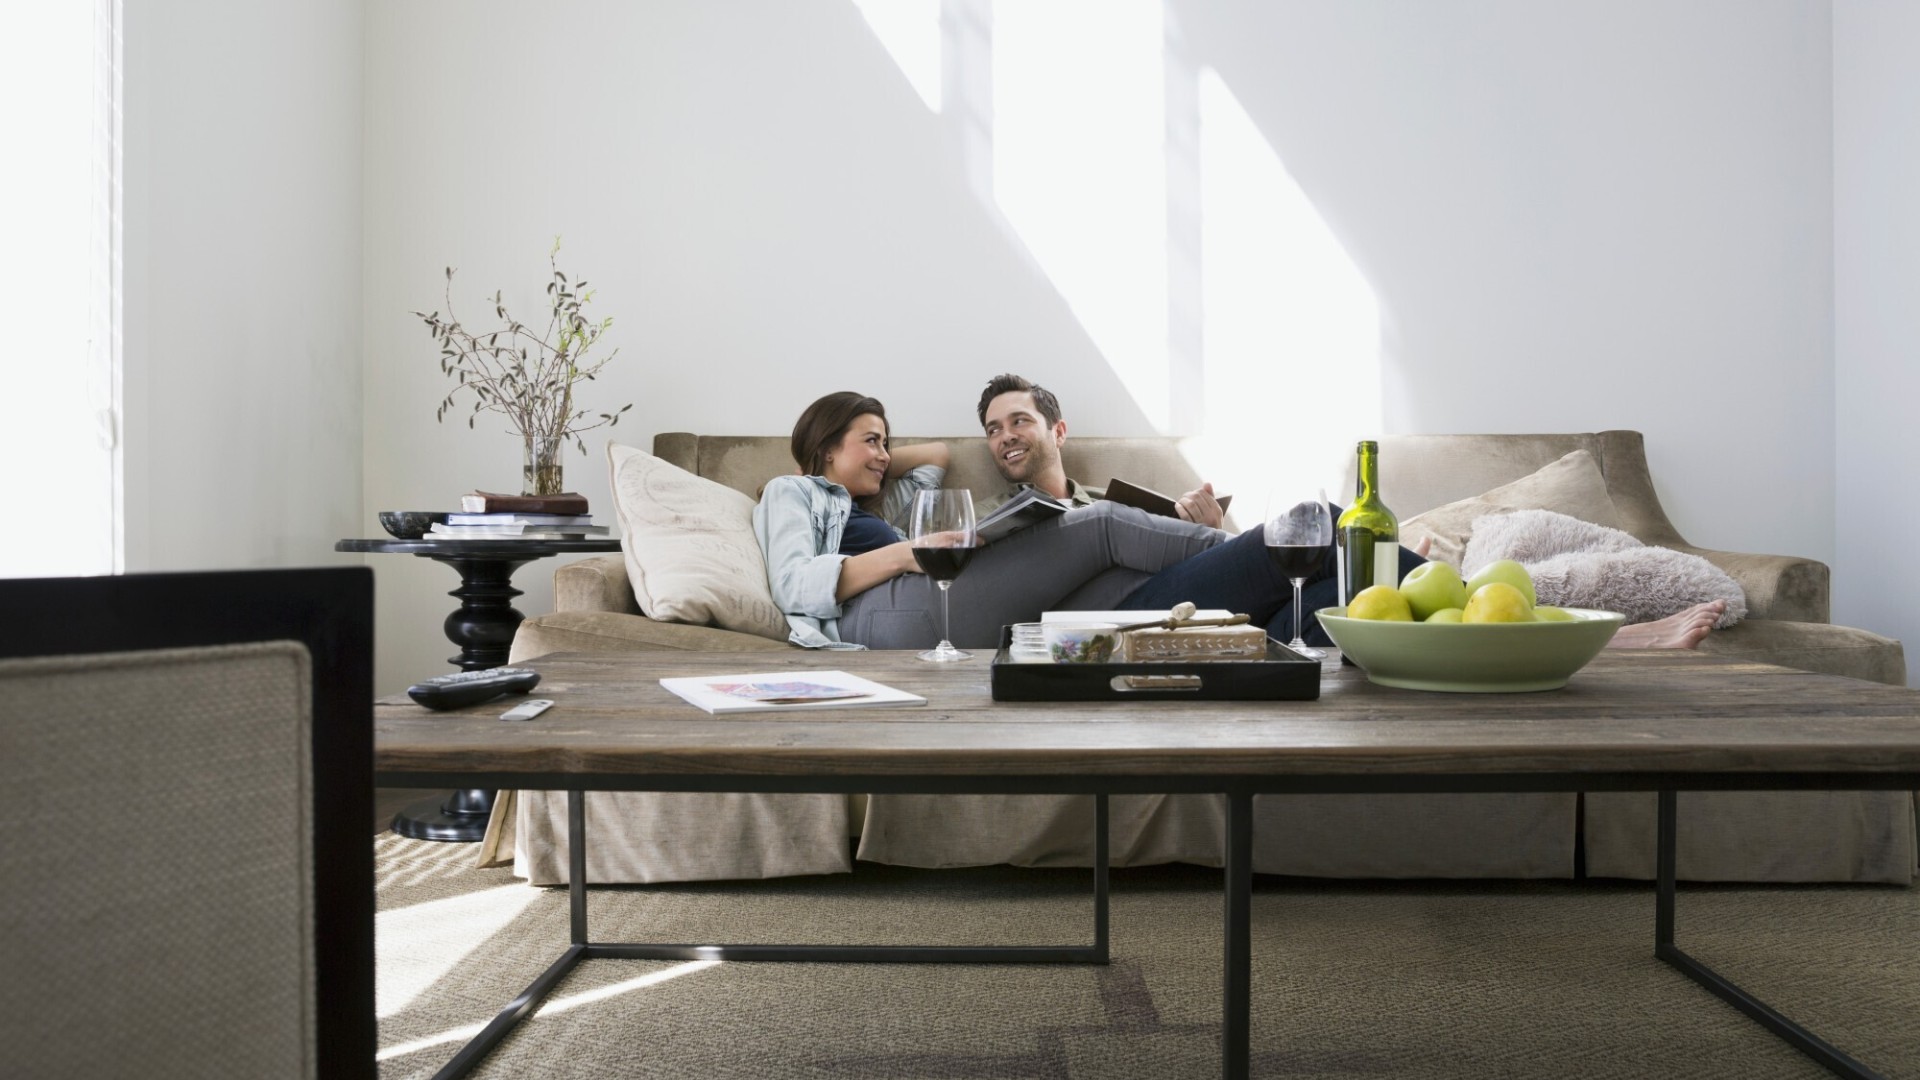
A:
<point x="528" y="376"/>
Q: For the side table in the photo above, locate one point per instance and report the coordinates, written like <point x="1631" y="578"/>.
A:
<point x="482" y="626"/>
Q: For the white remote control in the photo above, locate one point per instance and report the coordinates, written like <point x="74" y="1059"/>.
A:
<point x="527" y="710"/>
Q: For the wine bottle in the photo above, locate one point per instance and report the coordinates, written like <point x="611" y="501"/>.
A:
<point x="1367" y="536"/>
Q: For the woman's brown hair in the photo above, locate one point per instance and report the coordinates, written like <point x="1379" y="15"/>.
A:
<point x="825" y="422"/>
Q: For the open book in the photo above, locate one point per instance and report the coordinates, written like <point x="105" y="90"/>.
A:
<point x="1147" y="499"/>
<point x="1027" y="508"/>
<point x="786" y="690"/>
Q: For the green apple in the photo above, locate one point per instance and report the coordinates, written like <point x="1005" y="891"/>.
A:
<point x="1553" y="614"/>
<point x="1496" y="602"/>
<point x="1432" y="586"/>
<point x="1505" y="570"/>
<point x="1446" y="615"/>
<point x="1380" y="602"/>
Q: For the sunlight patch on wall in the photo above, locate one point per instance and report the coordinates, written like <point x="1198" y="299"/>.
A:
<point x="1152" y="201"/>
<point x="910" y="32"/>
<point x="1291" y="329"/>
<point x="1079" y="170"/>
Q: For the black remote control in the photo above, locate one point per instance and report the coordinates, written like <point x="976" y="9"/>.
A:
<point x="463" y="688"/>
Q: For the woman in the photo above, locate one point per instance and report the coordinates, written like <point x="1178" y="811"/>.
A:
<point x="842" y="571"/>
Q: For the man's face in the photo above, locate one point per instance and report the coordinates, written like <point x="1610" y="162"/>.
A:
<point x="1022" y="443"/>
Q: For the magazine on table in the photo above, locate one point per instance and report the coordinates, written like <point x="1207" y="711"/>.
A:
<point x="786" y="690"/>
<point x="1031" y="506"/>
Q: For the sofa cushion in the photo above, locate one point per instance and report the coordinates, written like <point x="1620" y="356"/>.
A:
<point x="1573" y="485"/>
<point x="689" y="547"/>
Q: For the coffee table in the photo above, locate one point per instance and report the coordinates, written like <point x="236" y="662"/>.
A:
<point x="1631" y="721"/>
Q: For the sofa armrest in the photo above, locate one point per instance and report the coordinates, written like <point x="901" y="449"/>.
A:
<point x="596" y="584"/>
<point x="1783" y="587"/>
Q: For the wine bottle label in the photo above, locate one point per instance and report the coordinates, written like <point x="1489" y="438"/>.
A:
<point x="1340" y="571"/>
<point x="1386" y="563"/>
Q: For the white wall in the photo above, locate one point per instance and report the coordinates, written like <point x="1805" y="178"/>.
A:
<point x="1529" y="218"/>
<point x="1580" y="216"/>
<point x="1876" y="152"/>
<point x="242" y="283"/>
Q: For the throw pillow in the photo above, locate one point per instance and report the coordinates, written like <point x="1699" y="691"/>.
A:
<point x="689" y="547"/>
<point x="1572" y="485"/>
<point x="1578" y="564"/>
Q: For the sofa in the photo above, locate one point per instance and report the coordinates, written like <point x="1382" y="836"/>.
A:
<point x="1437" y="484"/>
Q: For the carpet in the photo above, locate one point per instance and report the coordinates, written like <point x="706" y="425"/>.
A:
<point x="1351" y="979"/>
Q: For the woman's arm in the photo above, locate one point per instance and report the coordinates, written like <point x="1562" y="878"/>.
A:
<point x="861" y="572"/>
<point x="912" y="457"/>
<point x="801" y="577"/>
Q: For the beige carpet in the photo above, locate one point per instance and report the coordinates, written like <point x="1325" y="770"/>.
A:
<point x="1424" y="979"/>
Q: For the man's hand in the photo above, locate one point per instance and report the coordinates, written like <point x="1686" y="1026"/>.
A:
<point x="1200" y="507"/>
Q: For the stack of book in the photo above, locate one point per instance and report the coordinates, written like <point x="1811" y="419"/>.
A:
<point x="485" y="515"/>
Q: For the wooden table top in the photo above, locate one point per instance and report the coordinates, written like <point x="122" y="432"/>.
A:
<point x="1628" y="712"/>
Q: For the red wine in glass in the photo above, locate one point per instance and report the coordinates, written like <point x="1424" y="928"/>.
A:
<point x="1294" y="561"/>
<point x="942" y="532"/>
<point x="1298" y="536"/>
<point x="943" y="563"/>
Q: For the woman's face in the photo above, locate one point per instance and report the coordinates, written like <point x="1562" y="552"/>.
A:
<point x="859" y="463"/>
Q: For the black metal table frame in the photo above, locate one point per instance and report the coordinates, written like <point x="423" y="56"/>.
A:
<point x="1237" y="988"/>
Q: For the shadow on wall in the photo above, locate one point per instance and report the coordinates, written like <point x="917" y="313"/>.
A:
<point x="1129" y="172"/>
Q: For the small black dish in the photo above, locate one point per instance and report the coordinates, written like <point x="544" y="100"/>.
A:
<point x="410" y="524"/>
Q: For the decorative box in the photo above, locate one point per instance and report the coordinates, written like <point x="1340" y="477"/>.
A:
<point x="1197" y="643"/>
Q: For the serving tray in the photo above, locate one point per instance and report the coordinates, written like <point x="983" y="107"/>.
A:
<point x="1284" y="675"/>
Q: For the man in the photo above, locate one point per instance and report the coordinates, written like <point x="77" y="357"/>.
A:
<point x="1024" y="432"/>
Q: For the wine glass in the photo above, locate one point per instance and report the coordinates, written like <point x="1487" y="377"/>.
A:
<point x="1298" y="537"/>
<point x="942" y="533"/>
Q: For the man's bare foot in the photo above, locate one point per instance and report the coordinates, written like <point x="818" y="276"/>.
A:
<point x="1684" y="630"/>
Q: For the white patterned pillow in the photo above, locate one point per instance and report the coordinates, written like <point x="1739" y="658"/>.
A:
<point x="689" y="546"/>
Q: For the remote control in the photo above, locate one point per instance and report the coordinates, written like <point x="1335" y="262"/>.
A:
<point x="527" y="710"/>
<point x="463" y="688"/>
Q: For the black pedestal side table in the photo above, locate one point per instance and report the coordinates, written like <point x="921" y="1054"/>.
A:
<point x="483" y="627"/>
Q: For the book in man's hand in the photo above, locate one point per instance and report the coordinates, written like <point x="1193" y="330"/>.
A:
<point x="1029" y="507"/>
<point x="1147" y="499"/>
<point x="781" y="691"/>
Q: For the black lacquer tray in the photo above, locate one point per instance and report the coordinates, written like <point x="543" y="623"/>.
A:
<point x="1284" y="675"/>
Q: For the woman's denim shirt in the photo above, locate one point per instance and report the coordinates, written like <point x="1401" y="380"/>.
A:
<point x="798" y="522"/>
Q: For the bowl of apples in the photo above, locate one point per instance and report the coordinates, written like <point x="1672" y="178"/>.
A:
<point x="1482" y="636"/>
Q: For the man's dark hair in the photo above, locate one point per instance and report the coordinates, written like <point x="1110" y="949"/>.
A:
<point x="1043" y="398"/>
<point x="825" y="422"/>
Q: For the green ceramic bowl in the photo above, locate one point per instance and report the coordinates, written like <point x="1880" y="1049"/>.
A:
<point x="1476" y="658"/>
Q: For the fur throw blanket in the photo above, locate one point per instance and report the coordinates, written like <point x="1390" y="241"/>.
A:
<point x="1576" y="563"/>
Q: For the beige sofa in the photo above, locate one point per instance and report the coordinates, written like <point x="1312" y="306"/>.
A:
<point x="1789" y="836"/>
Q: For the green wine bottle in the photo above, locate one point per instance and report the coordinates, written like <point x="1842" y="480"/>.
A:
<point x="1367" y="537"/>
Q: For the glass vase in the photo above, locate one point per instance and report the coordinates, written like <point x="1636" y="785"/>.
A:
<point x="540" y="474"/>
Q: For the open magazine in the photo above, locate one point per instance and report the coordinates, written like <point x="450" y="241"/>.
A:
<point x="783" y="690"/>
<point x="1029" y="507"/>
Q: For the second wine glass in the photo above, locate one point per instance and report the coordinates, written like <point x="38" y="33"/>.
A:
<point x="942" y="533"/>
<point x="1298" y="536"/>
